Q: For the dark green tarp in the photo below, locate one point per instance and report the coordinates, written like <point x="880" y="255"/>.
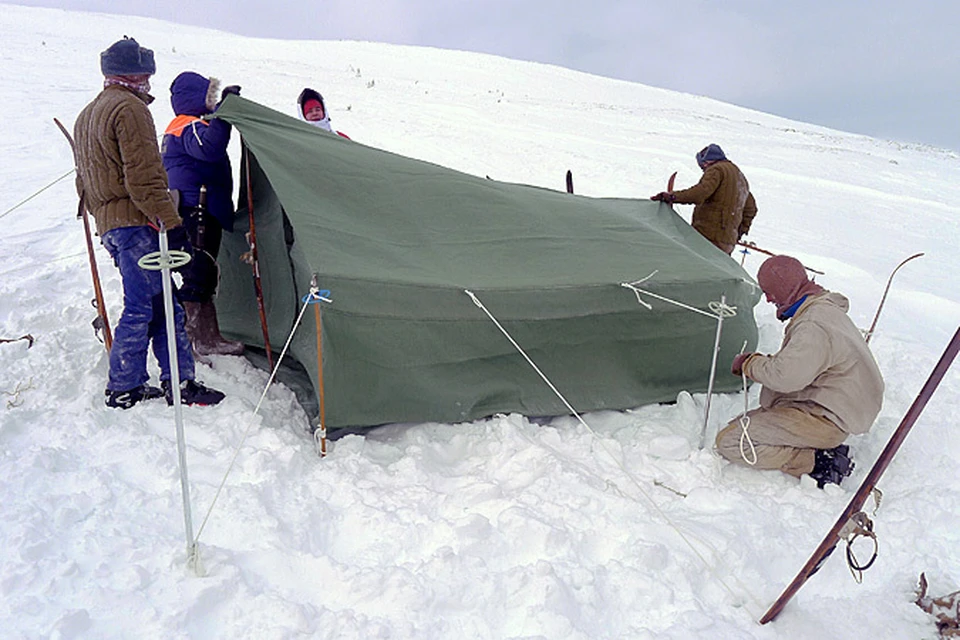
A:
<point x="397" y="242"/>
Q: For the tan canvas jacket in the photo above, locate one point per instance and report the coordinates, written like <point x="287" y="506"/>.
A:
<point x="823" y="367"/>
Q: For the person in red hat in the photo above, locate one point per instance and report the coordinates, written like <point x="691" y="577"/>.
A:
<point x="312" y="109"/>
<point x="820" y="387"/>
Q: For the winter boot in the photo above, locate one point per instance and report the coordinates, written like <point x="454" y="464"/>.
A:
<point x="203" y="329"/>
<point x="832" y="465"/>
<point x="130" y="397"/>
<point x="192" y="392"/>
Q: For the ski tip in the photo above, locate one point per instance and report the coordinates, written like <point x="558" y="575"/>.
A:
<point x="673" y="178"/>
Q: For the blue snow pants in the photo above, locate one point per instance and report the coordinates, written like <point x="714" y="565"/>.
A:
<point x="143" y="321"/>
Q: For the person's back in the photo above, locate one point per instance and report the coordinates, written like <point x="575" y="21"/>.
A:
<point x="118" y="161"/>
<point x="724" y="207"/>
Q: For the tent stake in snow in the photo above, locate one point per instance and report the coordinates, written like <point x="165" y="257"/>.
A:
<point x="163" y="261"/>
<point x="315" y="297"/>
<point x="254" y="259"/>
<point x="104" y="322"/>
<point x="829" y="543"/>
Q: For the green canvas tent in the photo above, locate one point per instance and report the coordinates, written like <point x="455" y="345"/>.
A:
<point x="398" y="242"/>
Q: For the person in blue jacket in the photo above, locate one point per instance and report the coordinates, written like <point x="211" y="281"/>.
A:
<point x="195" y="156"/>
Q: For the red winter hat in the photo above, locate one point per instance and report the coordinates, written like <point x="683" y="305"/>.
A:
<point x="784" y="280"/>
<point x="310" y="103"/>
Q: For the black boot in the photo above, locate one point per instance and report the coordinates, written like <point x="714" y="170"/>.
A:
<point x="128" y="398"/>
<point x="203" y="329"/>
<point x="832" y="465"/>
<point x="192" y="392"/>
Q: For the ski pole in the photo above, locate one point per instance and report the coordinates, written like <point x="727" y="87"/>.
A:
<point x="750" y="245"/>
<point x="315" y="297"/>
<point x="163" y="261"/>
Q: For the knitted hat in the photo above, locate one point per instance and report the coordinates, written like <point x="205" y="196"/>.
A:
<point x="311" y="103"/>
<point x="710" y="153"/>
<point x="784" y="280"/>
<point x="127" y="58"/>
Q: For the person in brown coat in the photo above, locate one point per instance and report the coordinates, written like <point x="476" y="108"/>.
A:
<point x="821" y="386"/>
<point x="724" y="207"/>
<point x="123" y="184"/>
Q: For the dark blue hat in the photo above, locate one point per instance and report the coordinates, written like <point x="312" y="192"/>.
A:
<point x="127" y="58"/>
<point x="710" y="153"/>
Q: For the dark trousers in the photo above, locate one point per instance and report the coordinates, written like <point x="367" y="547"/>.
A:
<point x="142" y="323"/>
<point x="202" y="274"/>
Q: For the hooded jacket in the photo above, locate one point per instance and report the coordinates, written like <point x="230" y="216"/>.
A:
<point x="824" y="367"/>
<point x="725" y="208"/>
<point x="313" y="94"/>
<point x="119" y="171"/>
<point x="195" y="150"/>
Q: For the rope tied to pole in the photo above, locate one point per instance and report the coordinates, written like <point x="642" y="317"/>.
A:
<point x="316" y="296"/>
<point x="617" y="461"/>
<point x="246" y="432"/>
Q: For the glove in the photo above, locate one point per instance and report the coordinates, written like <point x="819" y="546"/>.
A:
<point x="737" y="367"/>
<point x="664" y="196"/>
<point x="178" y="240"/>
<point x="232" y="89"/>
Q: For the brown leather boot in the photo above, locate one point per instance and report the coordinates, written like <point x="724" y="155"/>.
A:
<point x="203" y="330"/>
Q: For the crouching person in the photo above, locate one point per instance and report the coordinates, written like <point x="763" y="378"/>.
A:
<point x="821" y="386"/>
<point x="124" y="186"/>
<point x="196" y="160"/>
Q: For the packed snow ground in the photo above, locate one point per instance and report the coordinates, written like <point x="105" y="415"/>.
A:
<point x="500" y="528"/>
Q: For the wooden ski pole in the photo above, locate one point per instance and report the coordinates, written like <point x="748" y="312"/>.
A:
<point x="866" y="488"/>
<point x="91" y="255"/>
<point x="750" y="245"/>
<point x="255" y="260"/>
<point x="322" y="427"/>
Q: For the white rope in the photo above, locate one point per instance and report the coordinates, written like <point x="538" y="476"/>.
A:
<point x="745" y="420"/>
<point x="719" y="309"/>
<point x="246" y="432"/>
<point x="613" y="456"/>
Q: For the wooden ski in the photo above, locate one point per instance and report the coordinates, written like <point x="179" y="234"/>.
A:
<point x="866" y="488"/>
<point x="876" y="316"/>
<point x="94" y="271"/>
<point x="670" y="181"/>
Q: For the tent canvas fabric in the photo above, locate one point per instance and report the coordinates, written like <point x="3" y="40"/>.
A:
<point x="398" y="242"/>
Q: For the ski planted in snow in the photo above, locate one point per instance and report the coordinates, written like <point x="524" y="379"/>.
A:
<point x="876" y="316"/>
<point x="853" y="514"/>
<point x="569" y="181"/>
<point x="102" y="322"/>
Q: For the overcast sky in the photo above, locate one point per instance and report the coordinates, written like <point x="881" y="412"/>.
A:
<point x="885" y="68"/>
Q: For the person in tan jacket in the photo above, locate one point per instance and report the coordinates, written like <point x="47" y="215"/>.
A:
<point x="821" y="386"/>
<point x="724" y="207"/>
<point x="123" y="184"/>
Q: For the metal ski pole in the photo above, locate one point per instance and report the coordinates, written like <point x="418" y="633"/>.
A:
<point x="713" y="370"/>
<point x="163" y="261"/>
